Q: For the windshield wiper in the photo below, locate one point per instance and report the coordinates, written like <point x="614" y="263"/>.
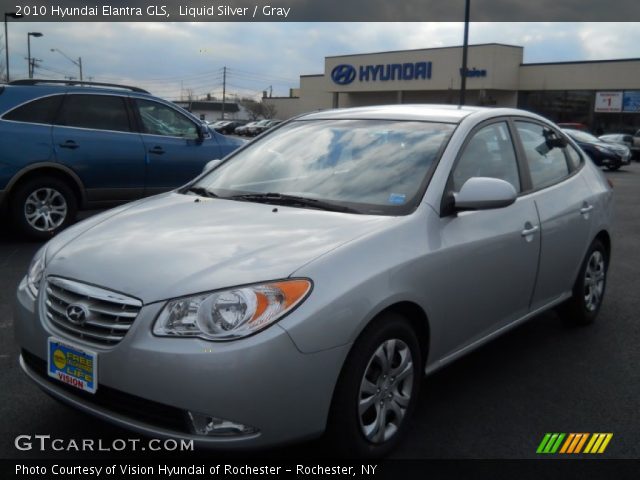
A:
<point x="292" y="200"/>
<point x="203" y="192"/>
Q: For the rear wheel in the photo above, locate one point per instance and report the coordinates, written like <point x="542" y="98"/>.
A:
<point x="377" y="390"/>
<point x="41" y="207"/>
<point x="588" y="292"/>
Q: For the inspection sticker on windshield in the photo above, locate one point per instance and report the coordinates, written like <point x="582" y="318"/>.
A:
<point x="72" y="365"/>
<point x="397" y="198"/>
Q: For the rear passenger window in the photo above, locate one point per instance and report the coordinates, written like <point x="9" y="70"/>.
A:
<point x="43" y="110"/>
<point x="547" y="166"/>
<point x="99" y="112"/>
<point x="489" y="153"/>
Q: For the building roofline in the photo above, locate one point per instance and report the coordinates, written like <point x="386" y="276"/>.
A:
<point x="423" y="49"/>
<point x="313" y="75"/>
<point x="577" y="62"/>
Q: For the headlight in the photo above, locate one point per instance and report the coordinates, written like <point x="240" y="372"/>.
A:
<point x="232" y="313"/>
<point x="36" y="270"/>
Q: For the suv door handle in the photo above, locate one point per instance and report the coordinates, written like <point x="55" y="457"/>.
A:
<point x="69" y="144"/>
<point x="157" y="150"/>
<point x="529" y="229"/>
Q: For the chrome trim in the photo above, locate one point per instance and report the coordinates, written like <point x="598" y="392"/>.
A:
<point x="111" y="314"/>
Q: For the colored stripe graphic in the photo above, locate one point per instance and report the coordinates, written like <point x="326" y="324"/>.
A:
<point x="573" y="444"/>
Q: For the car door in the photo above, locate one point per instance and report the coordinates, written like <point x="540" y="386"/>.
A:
<point x="93" y="135"/>
<point x="561" y="196"/>
<point x="488" y="259"/>
<point x="174" y="152"/>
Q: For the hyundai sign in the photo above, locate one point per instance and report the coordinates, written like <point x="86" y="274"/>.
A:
<point x="344" y="74"/>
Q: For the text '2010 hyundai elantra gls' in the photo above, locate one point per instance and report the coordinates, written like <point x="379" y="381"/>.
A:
<point x="309" y="281"/>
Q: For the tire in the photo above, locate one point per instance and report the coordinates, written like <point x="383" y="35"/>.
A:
<point x="387" y="400"/>
<point x="41" y="207"/>
<point x="588" y="292"/>
<point x="613" y="168"/>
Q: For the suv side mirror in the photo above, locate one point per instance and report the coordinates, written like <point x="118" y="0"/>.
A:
<point x="482" y="193"/>
<point x="210" y="165"/>
<point x="203" y="131"/>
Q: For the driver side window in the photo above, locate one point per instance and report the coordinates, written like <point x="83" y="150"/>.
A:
<point x="489" y="153"/>
<point x="158" y="119"/>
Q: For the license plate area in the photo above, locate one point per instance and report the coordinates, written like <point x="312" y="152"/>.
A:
<point x="72" y="365"/>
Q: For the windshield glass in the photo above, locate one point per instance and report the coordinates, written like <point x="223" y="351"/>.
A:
<point x="372" y="166"/>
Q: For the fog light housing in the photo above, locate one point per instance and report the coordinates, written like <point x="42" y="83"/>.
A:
<point x="210" y="426"/>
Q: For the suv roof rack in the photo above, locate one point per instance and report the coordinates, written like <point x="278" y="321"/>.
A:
<point x="75" y="83"/>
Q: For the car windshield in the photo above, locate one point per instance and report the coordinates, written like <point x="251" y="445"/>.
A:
<point x="369" y="166"/>
<point x="582" y="136"/>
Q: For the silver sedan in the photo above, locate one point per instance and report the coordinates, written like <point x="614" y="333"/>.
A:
<point x="306" y="283"/>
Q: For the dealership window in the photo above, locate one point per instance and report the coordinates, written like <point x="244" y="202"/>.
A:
<point x="99" y="112"/>
<point x="547" y="166"/>
<point x="489" y="153"/>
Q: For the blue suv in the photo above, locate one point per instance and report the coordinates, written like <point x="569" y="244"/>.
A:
<point x="65" y="146"/>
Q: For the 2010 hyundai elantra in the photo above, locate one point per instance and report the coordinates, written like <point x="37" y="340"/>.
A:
<point x="307" y="282"/>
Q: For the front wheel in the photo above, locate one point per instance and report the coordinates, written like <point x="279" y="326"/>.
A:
<point x="588" y="292"/>
<point x="41" y="207"/>
<point x="377" y="390"/>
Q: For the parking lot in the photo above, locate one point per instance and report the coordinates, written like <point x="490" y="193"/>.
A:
<point x="497" y="402"/>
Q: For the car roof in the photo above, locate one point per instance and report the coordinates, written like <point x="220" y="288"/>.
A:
<point x="420" y="112"/>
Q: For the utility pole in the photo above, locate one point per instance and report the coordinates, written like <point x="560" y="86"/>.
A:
<point x="224" y="89"/>
<point x="465" y="47"/>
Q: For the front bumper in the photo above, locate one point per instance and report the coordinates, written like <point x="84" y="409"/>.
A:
<point x="262" y="381"/>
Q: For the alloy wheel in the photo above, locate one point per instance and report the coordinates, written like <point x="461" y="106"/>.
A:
<point x="45" y="209"/>
<point x="594" y="277"/>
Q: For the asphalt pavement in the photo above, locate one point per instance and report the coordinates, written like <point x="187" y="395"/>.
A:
<point x="497" y="402"/>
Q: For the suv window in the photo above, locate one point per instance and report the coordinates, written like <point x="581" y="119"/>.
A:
<point x="100" y="112"/>
<point x="489" y="153"/>
<point x="547" y="166"/>
<point x="42" y="110"/>
<point x="158" y="119"/>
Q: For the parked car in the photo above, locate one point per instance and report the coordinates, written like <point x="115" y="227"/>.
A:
<point x="242" y="130"/>
<point x="68" y="145"/>
<point x="574" y="126"/>
<point x="610" y="155"/>
<point x="258" y="129"/>
<point x="229" y="126"/>
<point x="308" y="282"/>
<point x="626" y="139"/>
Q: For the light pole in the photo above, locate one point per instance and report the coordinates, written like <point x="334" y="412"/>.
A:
<point x="77" y="63"/>
<point x="465" y="47"/>
<point x="29" y="35"/>
<point x="6" y="38"/>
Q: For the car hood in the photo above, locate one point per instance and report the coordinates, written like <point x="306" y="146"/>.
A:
<point x="174" y="245"/>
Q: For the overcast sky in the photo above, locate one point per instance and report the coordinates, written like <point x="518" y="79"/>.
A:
<point x="169" y="57"/>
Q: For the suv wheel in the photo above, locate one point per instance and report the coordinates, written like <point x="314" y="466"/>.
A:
<point x="41" y="207"/>
<point x="377" y="390"/>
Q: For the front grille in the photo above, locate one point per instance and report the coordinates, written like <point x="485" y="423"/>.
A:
<point x="116" y="401"/>
<point x="101" y="316"/>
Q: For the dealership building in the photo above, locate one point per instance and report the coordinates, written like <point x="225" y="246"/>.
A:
<point x="603" y="94"/>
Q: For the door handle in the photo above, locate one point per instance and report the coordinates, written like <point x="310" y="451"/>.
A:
<point x="157" y="150"/>
<point x="529" y="230"/>
<point x="586" y="209"/>
<point x="69" y="144"/>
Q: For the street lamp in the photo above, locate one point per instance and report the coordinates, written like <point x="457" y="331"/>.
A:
<point x="6" y="37"/>
<point x="29" y="35"/>
<point x="77" y="63"/>
<point x="465" y="47"/>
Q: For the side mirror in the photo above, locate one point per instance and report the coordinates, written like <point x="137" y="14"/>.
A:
<point x="482" y="193"/>
<point x="210" y="165"/>
<point x="203" y="131"/>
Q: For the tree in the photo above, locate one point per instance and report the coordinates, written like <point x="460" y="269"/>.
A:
<point x="268" y="110"/>
<point x="253" y="108"/>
